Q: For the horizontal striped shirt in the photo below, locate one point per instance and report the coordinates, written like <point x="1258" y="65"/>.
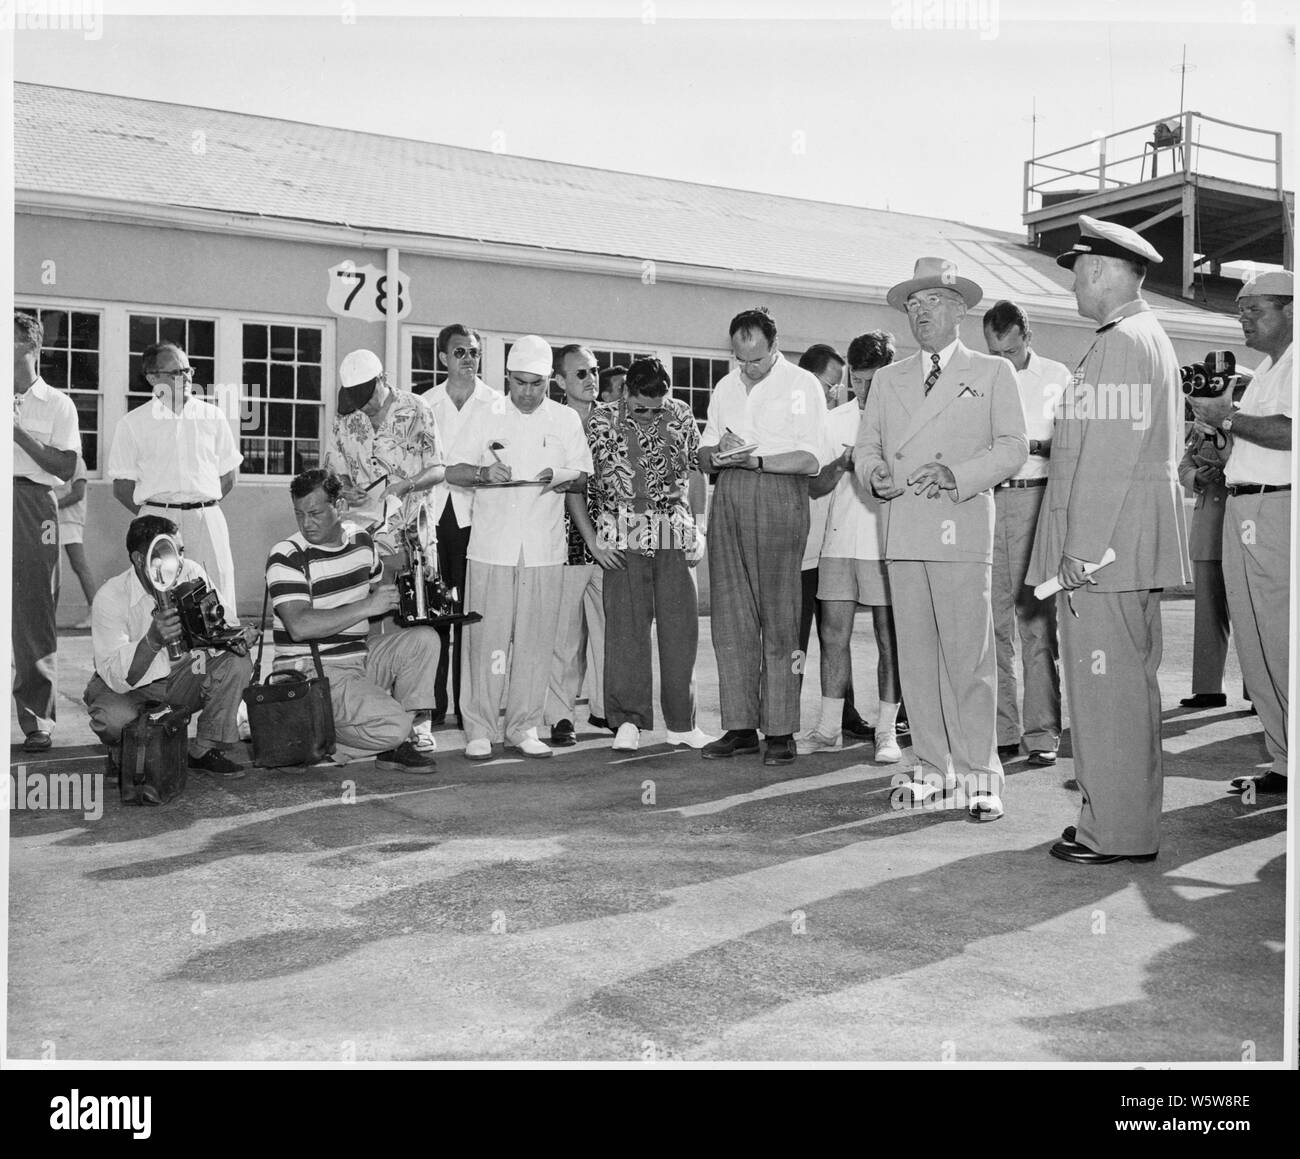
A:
<point x="326" y="577"/>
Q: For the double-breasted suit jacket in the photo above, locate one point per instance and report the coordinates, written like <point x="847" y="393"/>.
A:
<point x="940" y="550"/>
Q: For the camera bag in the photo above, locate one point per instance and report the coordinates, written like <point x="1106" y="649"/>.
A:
<point x="153" y="758"/>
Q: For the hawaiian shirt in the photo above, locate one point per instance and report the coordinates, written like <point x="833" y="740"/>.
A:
<point x="639" y="487"/>
<point x="401" y="448"/>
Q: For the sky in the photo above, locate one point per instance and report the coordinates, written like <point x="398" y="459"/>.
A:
<point x="879" y="109"/>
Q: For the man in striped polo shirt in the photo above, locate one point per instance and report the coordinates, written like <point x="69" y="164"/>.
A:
<point x="320" y="582"/>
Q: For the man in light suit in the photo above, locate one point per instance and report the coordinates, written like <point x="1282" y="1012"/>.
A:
<point x="1113" y="484"/>
<point x="939" y="431"/>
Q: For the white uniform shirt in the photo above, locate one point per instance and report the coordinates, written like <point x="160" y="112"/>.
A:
<point x="511" y="520"/>
<point x="450" y="420"/>
<point x="853" y="528"/>
<point x="1269" y="393"/>
<point x="785" y="412"/>
<point x="119" y="617"/>
<point x="174" y="458"/>
<point x="1042" y="382"/>
<point x="50" y="418"/>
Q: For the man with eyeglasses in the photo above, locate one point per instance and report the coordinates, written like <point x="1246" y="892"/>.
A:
<point x="939" y="431"/>
<point x="765" y="437"/>
<point x="1257" y="519"/>
<point x="580" y="633"/>
<point x="177" y="454"/>
<point x="46" y="447"/>
<point x="460" y="351"/>
<point x="515" y="452"/>
<point x="1017" y="502"/>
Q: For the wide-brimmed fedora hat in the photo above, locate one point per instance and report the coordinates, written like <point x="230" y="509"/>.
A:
<point x="934" y="274"/>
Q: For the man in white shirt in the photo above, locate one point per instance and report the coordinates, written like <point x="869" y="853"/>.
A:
<point x="176" y="453"/>
<point x="460" y="350"/>
<point x="765" y="436"/>
<point x="1257" y="522"/>
<point x="852" y="571"/>
<point x="46" y="446"/>
<point x="1017" y="501"/>
<point x="130" y="635"/>
<point x="516" y="451"/>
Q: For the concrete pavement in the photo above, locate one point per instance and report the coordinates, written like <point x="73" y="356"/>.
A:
<point x="603" y="906"/>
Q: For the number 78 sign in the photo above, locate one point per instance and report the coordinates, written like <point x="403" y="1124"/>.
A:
<point x="364" y="293"/>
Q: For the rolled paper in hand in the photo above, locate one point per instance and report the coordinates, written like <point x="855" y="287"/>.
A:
<point x="1052" y="586"/>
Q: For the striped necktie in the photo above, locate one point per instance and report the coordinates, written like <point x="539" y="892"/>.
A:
<point x="933" y="376"/>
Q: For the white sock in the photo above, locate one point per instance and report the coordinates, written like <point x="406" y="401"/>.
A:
<point x="888" y="716"/>
<point x="832" y="716"/>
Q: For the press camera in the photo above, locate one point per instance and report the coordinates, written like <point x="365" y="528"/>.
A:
<point x="422" y="597"/>
<point x="203" y="619"/>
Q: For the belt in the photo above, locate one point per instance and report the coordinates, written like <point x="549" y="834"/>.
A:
<point x="1022" y="483"/>
<point x="1257" y="488"/>
<point x="181" y="506"/>
<point x="24" y="481"/>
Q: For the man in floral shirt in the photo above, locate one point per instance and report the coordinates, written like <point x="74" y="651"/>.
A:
<point x="643" y="448"/>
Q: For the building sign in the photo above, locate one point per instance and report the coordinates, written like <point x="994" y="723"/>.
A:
<point x="363" y="292"/>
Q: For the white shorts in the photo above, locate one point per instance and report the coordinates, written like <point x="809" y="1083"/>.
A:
<point x="71" y="532"/>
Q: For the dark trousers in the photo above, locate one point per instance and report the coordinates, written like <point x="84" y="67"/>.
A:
<point x="658" y="588"/>
<point x="809" y="610"/>
<point x="453" y="543"/>
<point x="34" y="590"/>
<point x="757" y="529"/>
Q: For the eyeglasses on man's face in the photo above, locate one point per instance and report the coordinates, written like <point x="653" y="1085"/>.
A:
<point x="465" y="351"/>
<point x="918" y="302"/>
<point x="585" y="372"/>
<point x="178" y="372"/>
<point x="647" y="410"/>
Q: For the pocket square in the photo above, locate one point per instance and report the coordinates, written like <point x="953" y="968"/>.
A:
<point x="969" y="392"/>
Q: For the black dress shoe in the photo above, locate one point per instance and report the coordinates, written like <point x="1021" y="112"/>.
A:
<point x="562" y="734"/>
<point x="858" y="728"/>
<point x="780" y="750"/>
<point x="37" y="742"/>
<point x="1071" y="784"/>
<point x="1009" y="750"/>
<point x="1068" y="834"/>
<point x="1081" y="855"/>
<point x="1044" y="758"/>
<point x="439" y="718"/>
<point x="214" y="763"/>
<point x="1269" y="782"/>
<point x="1205" y="700"/>
<point x="600" y="722"/>
<point x="731" y="743"/>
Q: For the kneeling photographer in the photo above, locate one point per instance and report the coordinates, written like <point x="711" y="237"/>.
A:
<point x="151" y="651"/>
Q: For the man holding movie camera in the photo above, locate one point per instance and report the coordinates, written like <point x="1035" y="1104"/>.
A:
<point x="131" y="630"/>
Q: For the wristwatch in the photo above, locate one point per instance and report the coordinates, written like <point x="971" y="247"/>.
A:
<point x="1226" y="425"/>
<point x="760" y="464"/>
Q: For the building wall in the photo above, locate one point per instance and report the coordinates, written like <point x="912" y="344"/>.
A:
<point x="114" y="269"/>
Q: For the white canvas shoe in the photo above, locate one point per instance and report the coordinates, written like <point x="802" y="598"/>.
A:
<point x="423" y="740"/>
<point x="530" y="746"/>
<point x="887" y="750"/>
<point x="697" y="738"/>
<point x="985" y="806"/>
<point x="479" y="750"/>
<point x="813" y="741"/>
<point x="628" y="739"/>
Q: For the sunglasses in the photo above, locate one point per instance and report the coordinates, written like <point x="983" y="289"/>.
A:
<point x="461" y="351"/>
<point x="584" y="374"/>
<point x="646" y="410"/>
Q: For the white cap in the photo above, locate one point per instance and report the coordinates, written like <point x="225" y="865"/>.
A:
<point x="358" y="367"/>
<point x="531" y="355"/>
<point x="1274" y="283"/>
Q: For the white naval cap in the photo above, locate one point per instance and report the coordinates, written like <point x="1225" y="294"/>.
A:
<point x="1108" y="239"/>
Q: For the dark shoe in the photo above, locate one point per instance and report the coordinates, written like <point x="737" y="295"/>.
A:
<point x="406" y="758"/>
<point x="857" y="728"/>
<point x="1042" y="757"/>
<point x="214" y="763"/>
<point x="1068" y="834"/>
<point x="1205" y="700"/>
<point x="37" y="742"/>
<point x="1072" y="785"/>
<point x="731" y="743"/>
<point x="562" y="734"/>
<point x="1081" y="855"/>
<point x="1007" y="751"/>
<point x="439" y="718"/>
<point x="600" y="722"/>
<point x="1269" y="782"/>
<point x="780" y="750"/>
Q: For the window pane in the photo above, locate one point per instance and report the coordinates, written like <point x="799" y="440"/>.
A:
<point x="56" y="327"/>
<point x="205" y="372"/>
<point x="309" y="382"/>
<point x="281" y="382"/>
<point x="85" y="331"/>
<point x="254" y="417"/>
<point x="54" y="368"/>
<point x="84" y="371"/>
<point x="682" y="373"/>
<point x="308" y="456"/>
<point x="90" y="450"/>
<point x="202" y="340"/>
<point x="308" y="422"/>
<point x="255" y="341"/>
<point x="143" y="332"/>
<point x="283" y="343"/>
<point x="172" y="330"/>
<point x="308" y="344"/>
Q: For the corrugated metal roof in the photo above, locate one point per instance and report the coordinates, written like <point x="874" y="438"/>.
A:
<point x="122" y="148"/>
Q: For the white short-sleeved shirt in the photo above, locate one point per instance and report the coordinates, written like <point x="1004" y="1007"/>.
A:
<point x="50" y="418"/>
<point x="174" y="458"/>
<point x="511" y="520"/>
<point x="853" y="528"/>
<point x="73" y="513"/>
<point x="1041" y="383"/>
<point x="785" y="412"/>
<point x="450" y="420"/>
<point x="1269" y="393"/>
